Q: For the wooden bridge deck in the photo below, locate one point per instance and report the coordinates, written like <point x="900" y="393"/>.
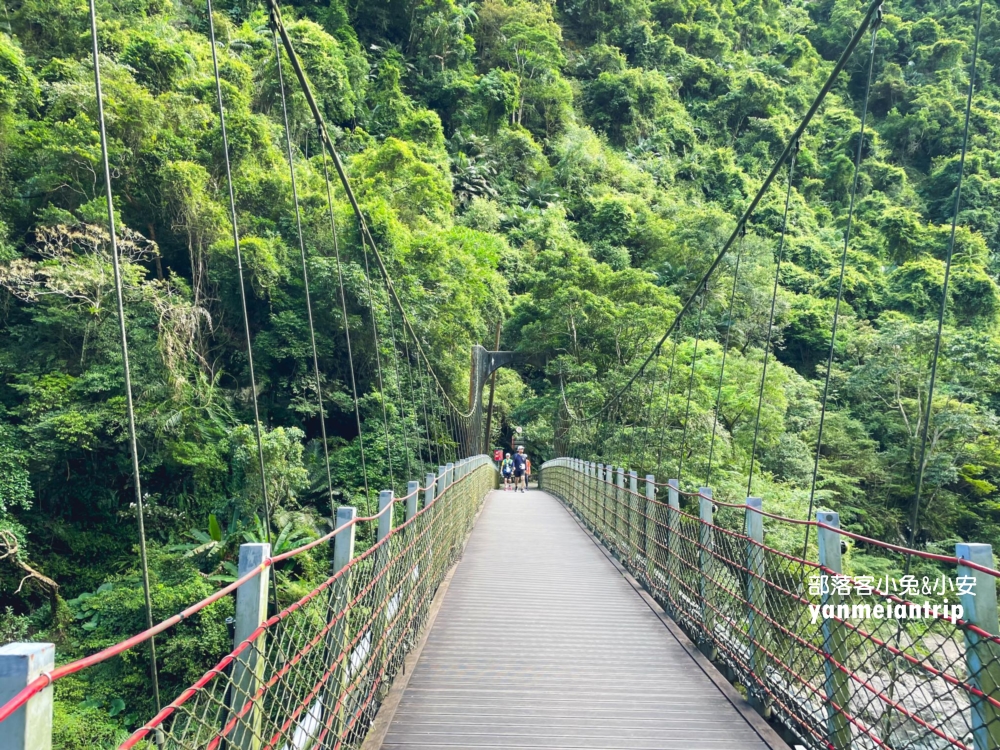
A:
<point x="541" y="643"/>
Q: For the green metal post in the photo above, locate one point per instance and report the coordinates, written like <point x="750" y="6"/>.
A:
<point x="981" y="654"/>
<point x="838" y="689"/>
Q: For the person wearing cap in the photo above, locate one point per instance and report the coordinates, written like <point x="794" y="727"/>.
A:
<point x="507" y="471"/>
<point x="520" y="467"/>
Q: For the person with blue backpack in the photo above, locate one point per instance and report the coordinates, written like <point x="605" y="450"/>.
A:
<point x="507" y="472"/>
<point x="520" y="469"/>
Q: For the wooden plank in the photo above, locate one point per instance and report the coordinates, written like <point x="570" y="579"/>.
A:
<point x="541" y="643"/>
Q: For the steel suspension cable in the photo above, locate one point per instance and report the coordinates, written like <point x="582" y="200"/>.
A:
<point x="725" y="352"/>
<point x="694" y="362"/>
<point x="762" y="190"/>
<point x="840" y="279"/>
<point x="654" y="382"/>
<point x="126" y="368"/>
<point x="305" y="270"/>
<point x="921" y="464"/>
<point x="346" y="183"/>
<point x="346" y="323"/>
<point x="243" y="292"/>
<point x="770" y="317"/>
<point x="635" y="426"/>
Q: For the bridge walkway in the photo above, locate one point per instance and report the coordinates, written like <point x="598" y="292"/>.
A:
<point x="541" y="642"/>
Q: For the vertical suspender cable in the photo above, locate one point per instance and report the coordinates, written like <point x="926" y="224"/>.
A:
<point x="346" y="323"/>
<point x="840" y="280"/>
<point x="666" y="407"/>
<point x="305" y="271"/>
<point x="694" y="362"/>
<point x="345" y="181"/>
<point x="399" y="384"/>
<point x="654" y="381"/>
<point x="378" y="360"/>
<point x="725" y="351"/>
<point x="915" y="512"/>
<point x="770" y="318"/>
<point x="129" y="405"/>
<point x="243" y="292"/>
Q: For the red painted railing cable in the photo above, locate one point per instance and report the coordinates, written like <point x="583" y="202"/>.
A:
<point x="126" y="369"/>
<point x="111" y="651"/>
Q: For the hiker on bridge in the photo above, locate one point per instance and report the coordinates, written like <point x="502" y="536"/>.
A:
<point x="507" y="471"/>
<point x="520" y="470"/>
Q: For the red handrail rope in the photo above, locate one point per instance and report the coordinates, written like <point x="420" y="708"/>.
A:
<point x="47" y="678"/>
<point x="230" y="657"/>
<point x="951" y="559"/>
<point x="621" y="538"/>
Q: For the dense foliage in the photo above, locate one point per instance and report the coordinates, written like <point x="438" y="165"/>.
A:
<point x="569" y="169"/>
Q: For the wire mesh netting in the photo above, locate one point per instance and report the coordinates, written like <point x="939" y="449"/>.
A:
<point x="315" y="674"/>
<point x="838" y="661"/>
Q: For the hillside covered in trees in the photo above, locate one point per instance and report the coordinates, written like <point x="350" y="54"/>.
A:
<point x="567" y="169"/>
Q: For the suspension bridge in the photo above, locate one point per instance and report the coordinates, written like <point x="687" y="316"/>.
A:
<point x="619" y="605"/>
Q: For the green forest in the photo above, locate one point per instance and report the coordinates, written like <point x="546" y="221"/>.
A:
<point x="567" y="170"/>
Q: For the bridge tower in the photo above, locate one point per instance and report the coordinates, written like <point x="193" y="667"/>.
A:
<point x="484" y="363"/>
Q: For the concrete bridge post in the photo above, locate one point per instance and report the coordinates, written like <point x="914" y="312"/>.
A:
<point x="672" y="569"/>
<point x="599" y="507"/>
<point x="248" y="670"/>
<point x="383" y="559"/>
<point x="30" y="727"/>
<point x="650" y="530"/>
<point x="706" y="562"/>
<point x="837" y="684"/>
<point x="592" y="494"/>
<point x="632" y="519"/>
<point x="981" y="654"/>
<point x="431" y="482"/>
<point x="753" y="527"/>
<point x="412" y="501"/>
<point x="620" y="510"/>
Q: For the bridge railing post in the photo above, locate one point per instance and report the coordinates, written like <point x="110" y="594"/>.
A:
<point x="412" y="501"/>
<point x="672" y="566"/>
<point x="30" y="727"/>
<point x="599" y="519"/>
<point x="837" y="683"/>
<point x="706" y="563"/>
<point x="248" y="670"/>
<point x="592" y="494"/>
<point x="753" y="527"/>
<point x="337" y="636"/>
<point x="634" y="514"/>
<point x="621" y="540"/>
<point x="380" y="623"/>
<point x="650" y="531"/>
<point x="427" y="525"/>
<point x="982" y="655"/>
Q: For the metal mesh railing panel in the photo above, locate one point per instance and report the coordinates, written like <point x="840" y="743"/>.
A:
<point x="315" y="674"/>
<point x="809" y="646"/>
